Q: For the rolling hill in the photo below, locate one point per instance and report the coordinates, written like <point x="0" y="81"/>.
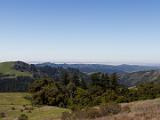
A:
<point x="90" y="68"/>
<point x="130" y="75"/>
<point x="135" y="78"/>
<point x="140" y="110"/>
<point x="9" y="69"/>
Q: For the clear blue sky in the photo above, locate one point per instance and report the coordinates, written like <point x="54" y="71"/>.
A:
<point x="116" y="31"/>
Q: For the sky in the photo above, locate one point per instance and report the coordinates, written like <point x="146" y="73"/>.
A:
<point x="100" y="31"/>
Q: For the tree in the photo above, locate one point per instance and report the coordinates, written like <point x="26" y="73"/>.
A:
<point x="114" y="81"/>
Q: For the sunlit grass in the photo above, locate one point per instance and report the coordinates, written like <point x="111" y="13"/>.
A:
<point x="14" y="104"/>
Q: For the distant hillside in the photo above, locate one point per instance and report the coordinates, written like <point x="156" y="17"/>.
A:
<point x="15" y="76"/>
<point x="130" y="75"/>
<point x="11" y="69"/>
<point x="136" y="68"/>
<point x="132" y="79"/>
<point x="86" y="68"/>
<point x="89" y="68"/>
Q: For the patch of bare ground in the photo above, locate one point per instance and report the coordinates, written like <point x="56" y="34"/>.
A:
<point x="141" y="110"/>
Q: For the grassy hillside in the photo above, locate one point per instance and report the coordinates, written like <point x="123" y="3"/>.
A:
<point x="14" y="104"/>
<point x="6" y="68"/>
<point x="141" y="110"/>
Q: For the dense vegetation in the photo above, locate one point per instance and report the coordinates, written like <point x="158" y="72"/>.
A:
<point x="19" y="84"/>
<point x="73" y="92"/>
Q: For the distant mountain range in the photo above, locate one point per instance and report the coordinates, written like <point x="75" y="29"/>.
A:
<point x="130" y="75"/>
<point x="90" y="68"/>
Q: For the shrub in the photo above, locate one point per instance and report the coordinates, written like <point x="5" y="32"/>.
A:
<point x="13" y="108"/>
<point x="22" y="110"/>
<point x="2" y="115"/>
<point x="23" y="117"/>
<point x="29" y="111"/>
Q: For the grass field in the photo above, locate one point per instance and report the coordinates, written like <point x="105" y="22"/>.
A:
<point x="6" y="68"/>
<point x="14" y="104"/>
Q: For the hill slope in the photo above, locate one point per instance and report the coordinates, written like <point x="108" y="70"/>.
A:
<point x="16" y="76"/>
<point x="132" y="79"/>
<point x="8" y="68"/>
<point x="19" y="105"/>
<point x="140" y="110"/>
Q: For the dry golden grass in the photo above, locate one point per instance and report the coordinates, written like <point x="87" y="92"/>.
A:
<point x="141" y="110"/>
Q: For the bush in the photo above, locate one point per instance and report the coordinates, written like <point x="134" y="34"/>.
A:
<point x="23" y="117"/>
<point x="2" y="115"/>
<point x="22" y="110"/>
<point x="13" y="108"/>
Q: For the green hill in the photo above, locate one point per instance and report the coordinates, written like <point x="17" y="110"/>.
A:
<point x="15" y="76"/>
<point x="14" y="104"/>
<point x="7" y="68"/>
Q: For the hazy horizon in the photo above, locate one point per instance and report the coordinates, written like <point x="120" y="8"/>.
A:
<point x="103" y="31"/>
<point x="84" y="62"/>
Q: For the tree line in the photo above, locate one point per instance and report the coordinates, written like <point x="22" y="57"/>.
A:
<point x="73" y="92"/>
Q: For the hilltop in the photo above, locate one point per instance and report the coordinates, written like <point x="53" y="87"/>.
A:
<point x="11" y="69"/>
